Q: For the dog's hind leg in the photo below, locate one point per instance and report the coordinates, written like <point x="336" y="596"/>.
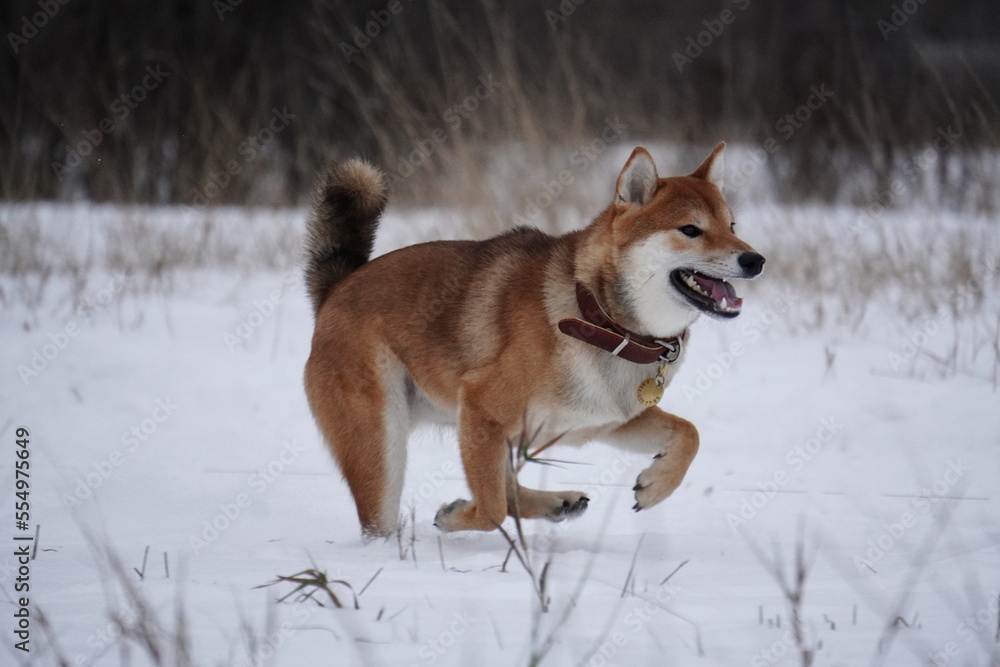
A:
<point x="360" y="404"/>
<point x="482" y="439"/>
<point x="552" y="505"/>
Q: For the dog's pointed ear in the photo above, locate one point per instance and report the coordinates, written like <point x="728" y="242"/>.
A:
<point x="714" y="166"/>
<point x="637" y="182"/>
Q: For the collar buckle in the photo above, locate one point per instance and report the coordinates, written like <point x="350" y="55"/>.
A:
<point x="672" y="349"/>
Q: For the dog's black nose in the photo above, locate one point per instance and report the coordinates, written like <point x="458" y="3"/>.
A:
<point x="752" y="263"/>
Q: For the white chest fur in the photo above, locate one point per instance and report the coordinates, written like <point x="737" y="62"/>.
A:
<point x="598" y="392"/>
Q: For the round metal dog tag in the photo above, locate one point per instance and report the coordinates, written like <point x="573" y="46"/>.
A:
<point x="650" y="392"/>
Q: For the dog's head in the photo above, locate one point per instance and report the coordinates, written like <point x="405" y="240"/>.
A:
<point x="676" y="245"/>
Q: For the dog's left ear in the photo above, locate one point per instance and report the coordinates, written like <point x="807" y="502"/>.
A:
<point x="637" y="182"/>
<point x="714" y="166"/>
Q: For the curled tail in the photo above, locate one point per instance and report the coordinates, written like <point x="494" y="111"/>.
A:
<point x="340" y="232"/>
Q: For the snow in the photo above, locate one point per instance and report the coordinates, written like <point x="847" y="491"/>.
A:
<point x="151" y="426"/>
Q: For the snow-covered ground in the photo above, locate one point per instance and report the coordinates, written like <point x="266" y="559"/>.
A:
<point x="168" y="414"/>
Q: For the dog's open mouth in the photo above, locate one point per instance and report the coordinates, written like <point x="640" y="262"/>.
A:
<point x="712" y="295"/>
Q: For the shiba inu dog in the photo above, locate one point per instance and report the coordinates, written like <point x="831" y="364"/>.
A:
<point x="575" y="335"/>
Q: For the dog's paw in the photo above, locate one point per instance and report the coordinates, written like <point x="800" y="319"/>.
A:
<point x="572" y="507"/>
<point x="653" y="485"/>
<point x="445" y="517"/>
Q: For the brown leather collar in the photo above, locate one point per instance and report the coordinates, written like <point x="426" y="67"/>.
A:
<point x="598" y="329"/>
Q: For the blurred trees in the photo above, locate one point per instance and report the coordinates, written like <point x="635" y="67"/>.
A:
<point x="83" y="117"/>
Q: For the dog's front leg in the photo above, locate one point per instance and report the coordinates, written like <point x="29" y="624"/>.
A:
<point x="482" y="440"/>
<point x="673" y="440"/>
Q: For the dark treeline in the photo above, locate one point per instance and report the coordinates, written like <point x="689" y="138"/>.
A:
<point x="219" y="102"/>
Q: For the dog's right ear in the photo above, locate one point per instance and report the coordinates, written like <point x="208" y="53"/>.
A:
<point x="637" y="182"/>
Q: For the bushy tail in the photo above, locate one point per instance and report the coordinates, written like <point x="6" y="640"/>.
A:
<point x="340" y="232"/>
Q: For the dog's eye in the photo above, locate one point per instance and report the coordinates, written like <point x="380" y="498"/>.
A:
<point x="690" y="230"/>
<point x="732" y="227"/>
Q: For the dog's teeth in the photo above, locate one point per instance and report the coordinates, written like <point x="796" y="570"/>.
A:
<point x="725" y="307"/>
<point x="693" y="284"/>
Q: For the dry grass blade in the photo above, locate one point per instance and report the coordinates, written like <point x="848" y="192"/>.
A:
<point x="532" y="456"/>
<point x="792" y="586"/>
<point x="674" y="571"/>
<point x="631" y="569"/>
<point x="519" y="547"/>
<point x="365" y="587"/>
<point x="319" y="583"/>
<point x="523" y="556"/>
<point x="52" y="636"/>
<point x="409" y="548"/>
<point x="521" y="447"/>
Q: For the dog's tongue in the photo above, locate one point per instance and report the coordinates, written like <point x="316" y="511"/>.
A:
<point x="719" y="289"/>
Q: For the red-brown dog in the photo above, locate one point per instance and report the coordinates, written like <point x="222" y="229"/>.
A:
<point x="575" y="335"/>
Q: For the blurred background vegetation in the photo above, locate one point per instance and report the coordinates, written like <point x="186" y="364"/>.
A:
<point x="863" y="134"/>
<point x="676" y="72"/>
